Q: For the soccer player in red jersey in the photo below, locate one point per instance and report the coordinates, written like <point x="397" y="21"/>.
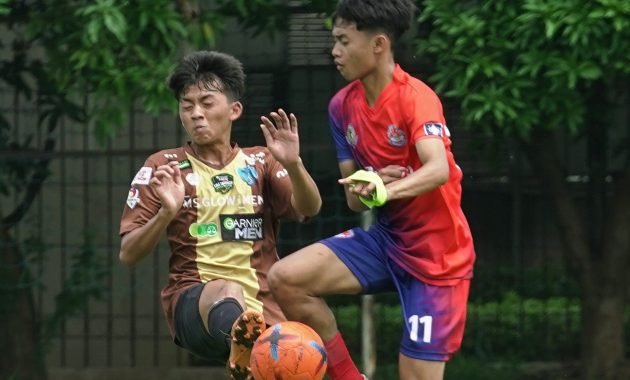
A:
<point x="394" y="154"/>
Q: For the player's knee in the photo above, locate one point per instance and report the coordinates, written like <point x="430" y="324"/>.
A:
<point x="279" y="279"/>
<point x="221" y="317"/>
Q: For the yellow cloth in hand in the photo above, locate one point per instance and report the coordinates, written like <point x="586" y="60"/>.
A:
<point x="379" y="196"/>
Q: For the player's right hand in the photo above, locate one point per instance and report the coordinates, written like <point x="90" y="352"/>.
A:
<point x="169" y="187"/>
<point x="392" y="173"/>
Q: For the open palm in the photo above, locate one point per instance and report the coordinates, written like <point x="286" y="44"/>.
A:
<point x="281" y="136"/>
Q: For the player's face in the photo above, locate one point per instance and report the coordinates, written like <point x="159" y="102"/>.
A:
<point x="207" y="115"/>
<point x="353" y="50"/>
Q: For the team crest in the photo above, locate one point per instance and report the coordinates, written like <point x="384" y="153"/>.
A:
<point x="396" y="136"/>
<point x="223" y="183"/>
<point x="248" y="174"/>
<point x="351" y="135"/>
<point x="133" y="197"/>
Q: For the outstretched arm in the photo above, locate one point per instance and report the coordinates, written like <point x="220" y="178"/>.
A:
<point x="284" y="144"/>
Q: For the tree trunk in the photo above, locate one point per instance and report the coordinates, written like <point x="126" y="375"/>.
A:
<point x="21" y="356"/>
<point x="600" y="270"/>
<point x="603" y="334"/>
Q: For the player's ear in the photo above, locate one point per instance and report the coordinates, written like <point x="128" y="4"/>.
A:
<point x="381" y="43"/>
<point x="236" y="110"/>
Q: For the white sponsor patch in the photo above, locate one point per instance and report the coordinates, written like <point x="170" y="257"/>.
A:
<point x="133" y="197"/>
<point x="434" y="129"/>
<point x="192" y="178"/>
<point x="143" y="176"/>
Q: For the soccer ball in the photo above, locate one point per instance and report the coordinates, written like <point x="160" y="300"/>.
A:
<point x="288" y="351"/>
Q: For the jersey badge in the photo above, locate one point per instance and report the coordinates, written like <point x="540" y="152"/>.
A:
<point x="170" y="156"/>
<point x="203" y="229"/>
<point x="345" y="234"/>
<point x="223" y="183"/>
<point x="351" y="135"/>
<point x="396" y="136"/>
<point x="143" y="176"/>
<point x="248" y="174"/>
<point x="242" y="227"/>
<point x="183" y="164"/>
<point x="192" y="179"/>
<point x="133" y="197"/>
<point x="434" y="129"/>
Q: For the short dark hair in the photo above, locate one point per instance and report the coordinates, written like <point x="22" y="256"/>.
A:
<point x="390" y="16"/>
<point x="211" y="70"/>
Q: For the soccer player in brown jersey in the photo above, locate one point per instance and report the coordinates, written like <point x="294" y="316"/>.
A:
<point x="220" y="205"/>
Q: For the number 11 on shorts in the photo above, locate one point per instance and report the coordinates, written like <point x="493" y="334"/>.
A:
<point x="426" y="321"/>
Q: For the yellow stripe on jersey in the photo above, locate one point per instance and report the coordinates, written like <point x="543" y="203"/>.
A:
<point x="223" y="192"/>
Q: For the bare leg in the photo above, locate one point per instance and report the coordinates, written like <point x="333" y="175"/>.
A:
<point x="415" y="369"/>
<point x="299" y="280"/>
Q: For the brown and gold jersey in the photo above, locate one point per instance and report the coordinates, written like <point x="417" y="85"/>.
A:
<point x="227" y="227"/>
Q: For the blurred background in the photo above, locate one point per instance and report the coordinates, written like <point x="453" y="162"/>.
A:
<point x="536" y="98"/>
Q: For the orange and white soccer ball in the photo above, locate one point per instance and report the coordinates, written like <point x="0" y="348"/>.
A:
<point x="288" y="351"/>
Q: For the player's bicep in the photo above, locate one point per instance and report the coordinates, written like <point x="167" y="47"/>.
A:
<point x="432" y="152"/>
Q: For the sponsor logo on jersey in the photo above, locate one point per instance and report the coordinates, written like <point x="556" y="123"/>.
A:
<point x="143" y="176"/>
<point x="133" y="197"/>
<point x="345" y="234"/>
<point x="183" y="164"/>
<point x="252" y="158"/>
<point x="282" y="173"/>
<point x="434" y="129"/>
<point x="203" y="229"/>
<point x="396" y="136"/>
<point x="223" y="183"/>
<point x="221" y="201"/>
<point x="170" y="156"/>
<point x="248" y="174"/>
<point x="351" y="135"/>
<point x="192" y="178"/>
<point x="242" y="227"/>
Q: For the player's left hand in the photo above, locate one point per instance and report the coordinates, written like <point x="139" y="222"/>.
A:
<point x="359" y="188"/>
<point x="281" y="136"/>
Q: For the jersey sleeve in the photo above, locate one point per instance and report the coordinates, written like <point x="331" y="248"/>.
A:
<point x="142" y="202"/>
<point x="425" y="115"/>
<point x="279" y="190"/>
<point x="334" y="122"/>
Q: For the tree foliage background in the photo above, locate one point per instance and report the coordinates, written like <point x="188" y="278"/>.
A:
<point x="526" y="73"/>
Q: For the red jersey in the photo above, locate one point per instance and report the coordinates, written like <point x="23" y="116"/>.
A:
<point x="430" y="232"/>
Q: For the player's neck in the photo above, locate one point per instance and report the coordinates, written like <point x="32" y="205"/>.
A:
<point x="375" y="82"/>
<point x="215" y="154"/>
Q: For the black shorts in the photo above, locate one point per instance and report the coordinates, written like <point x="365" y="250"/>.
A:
<point x="190" y="332"/>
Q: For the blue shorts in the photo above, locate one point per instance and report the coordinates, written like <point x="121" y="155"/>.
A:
<point x="434" y="316"/>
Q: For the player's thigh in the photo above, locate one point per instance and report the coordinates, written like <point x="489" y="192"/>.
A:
<point x="416" y="369"/>
<point x="351" y="262"/>
<point x="216" y="291"/>
<point x="434" y="317"/>
<point x="316" y="270"/>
